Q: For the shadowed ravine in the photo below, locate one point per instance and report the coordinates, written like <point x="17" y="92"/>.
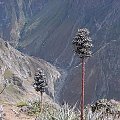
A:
<point x="46" y="31"/>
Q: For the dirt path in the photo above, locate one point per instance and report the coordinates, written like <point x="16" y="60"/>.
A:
<point x="11" y="113"/>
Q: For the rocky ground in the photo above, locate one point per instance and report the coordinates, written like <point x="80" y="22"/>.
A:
<point x="103" y="110"/>
<point x="100" y="110"/>
<point x="11" y="112"/>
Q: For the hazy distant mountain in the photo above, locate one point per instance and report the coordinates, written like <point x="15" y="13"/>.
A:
<point x="48" y="34"/>
<point x="15" y="14"/>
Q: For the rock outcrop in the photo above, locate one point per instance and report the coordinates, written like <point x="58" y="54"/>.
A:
<point x="103" y="110"/>
<point x="17" y="71"/>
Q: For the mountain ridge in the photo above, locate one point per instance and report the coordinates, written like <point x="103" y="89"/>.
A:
<point x="48" y="35"/>
<point x="17" y="71"/>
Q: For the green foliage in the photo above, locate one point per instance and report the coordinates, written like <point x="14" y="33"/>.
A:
<point x="21" y="104"/>
<point x="51" y="112"/>
<point x="35" y="109"/>
<point x="7" y="74"/>
<point x="12" y="90"/>
<point x="63" y="113"/>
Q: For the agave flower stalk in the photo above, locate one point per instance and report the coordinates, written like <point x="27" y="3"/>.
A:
<point x="40" y="85"/>
<point x="82" y="47"/>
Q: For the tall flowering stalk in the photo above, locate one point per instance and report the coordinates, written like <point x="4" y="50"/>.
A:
<point x="40" y="85"/>
<point x="82" y="47"/>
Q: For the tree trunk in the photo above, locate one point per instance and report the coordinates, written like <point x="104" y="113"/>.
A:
<point x="41" y="102"/>
<point x="82" y="86"/>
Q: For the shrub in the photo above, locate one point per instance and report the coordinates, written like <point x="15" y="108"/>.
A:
<point x="51" y="111"/>
<point x="62" y="113"/>
<point x="21" y="104"/>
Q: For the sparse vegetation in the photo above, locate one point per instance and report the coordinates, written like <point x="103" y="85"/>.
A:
<point x="14" y="92"/>
<point x="63" y="113"/>
<point x="21" y="104"/>
<point x="7" y="74"/>
<point x="52" y="112"/>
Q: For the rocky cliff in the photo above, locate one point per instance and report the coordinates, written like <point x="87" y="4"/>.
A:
<point x="15" y="14"/>
<point x="56" y="25"/>
<point x="17" y="70"/>
<point x="48" y="35"/>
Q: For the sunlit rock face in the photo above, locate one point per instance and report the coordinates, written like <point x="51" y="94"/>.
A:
<point x="47" y="32"/>
<point x="17" y="71"/>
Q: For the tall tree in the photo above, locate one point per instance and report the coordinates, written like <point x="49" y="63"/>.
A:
<point x="82" y="47"/>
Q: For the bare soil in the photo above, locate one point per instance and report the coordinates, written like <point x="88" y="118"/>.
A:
<point x="11" y="112"/>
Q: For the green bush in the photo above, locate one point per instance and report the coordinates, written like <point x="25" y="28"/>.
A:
<point x="21" y="104"/>
<point x="51" y="112"/>
<point x="34" y="109"/>
<point x="63" y="113"/>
